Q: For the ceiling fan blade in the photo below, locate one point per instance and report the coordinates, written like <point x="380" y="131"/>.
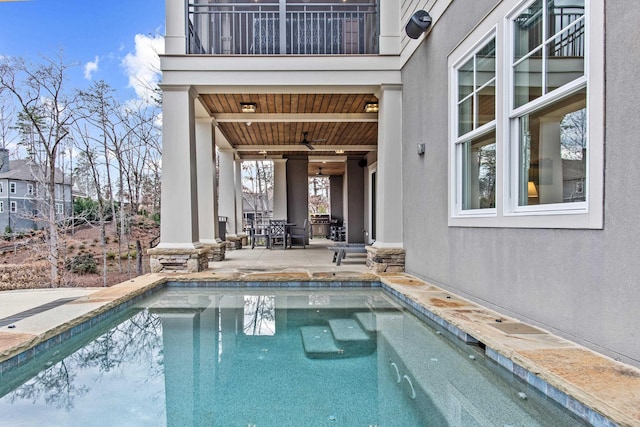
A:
<point x="308" y="145"/>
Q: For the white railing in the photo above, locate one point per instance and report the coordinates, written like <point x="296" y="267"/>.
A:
<point x="309" y="28"/>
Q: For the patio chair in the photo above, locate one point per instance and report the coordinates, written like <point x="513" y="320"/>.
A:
<point x="258" y="232"/>
<point x="278" y="233"/>
<point x="299" y="234"/>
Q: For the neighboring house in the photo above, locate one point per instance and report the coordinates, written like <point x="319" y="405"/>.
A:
<point x="477" y="148"/>
<point x="23" y="205"/>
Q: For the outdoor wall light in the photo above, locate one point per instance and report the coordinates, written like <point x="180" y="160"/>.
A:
<point x="371" y="107"/>
<point x="248" y="107"/>
<point x="418" y="24"/>
<point x="420" y="148"/>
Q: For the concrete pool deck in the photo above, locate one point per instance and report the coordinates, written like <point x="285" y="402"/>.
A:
<point x="608" y="387"/>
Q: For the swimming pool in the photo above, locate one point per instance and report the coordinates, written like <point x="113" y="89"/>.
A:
<point x="268" y="357"/>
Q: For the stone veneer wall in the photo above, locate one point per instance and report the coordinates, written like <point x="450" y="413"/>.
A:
<point x="216" y="251"/>
<point x="385" y="260"/>
<point x="178" y="260"/>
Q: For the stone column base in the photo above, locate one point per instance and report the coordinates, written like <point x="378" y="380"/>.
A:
<point x="216" y="251"/>
<point x="385" y="260"/>
<point x="234" y="242"/>
<point x="167" y="260"/>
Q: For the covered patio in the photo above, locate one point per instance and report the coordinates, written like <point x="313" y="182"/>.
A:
<point x="344" y="122"/>
<point x="314" y="258"/>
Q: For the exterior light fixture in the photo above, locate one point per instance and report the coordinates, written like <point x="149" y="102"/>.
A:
<point x="371" y="107"/>
<point x="418" y="24"/>
<point x="248" y="107"/>
<point x="420" y="148"/>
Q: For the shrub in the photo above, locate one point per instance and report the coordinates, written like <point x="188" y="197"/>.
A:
<point x="111" y="255"/>
<point x="82" y="264"/>
<point x="131" y="254"/>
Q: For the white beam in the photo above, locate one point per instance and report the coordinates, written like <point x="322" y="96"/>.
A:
<point x="300" y="147"/>
<point x="318" y="117"/>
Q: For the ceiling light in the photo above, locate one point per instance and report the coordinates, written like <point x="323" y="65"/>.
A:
<point x="371" y="107"/>
<point x="339" y="151"/>
<point x="248" y="107"/>
<point x="262" y="152"/>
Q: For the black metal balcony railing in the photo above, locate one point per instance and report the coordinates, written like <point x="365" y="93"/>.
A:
<point x="256" y="29"/>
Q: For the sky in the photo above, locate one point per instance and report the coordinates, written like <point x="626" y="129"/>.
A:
<point x="112" y="40"/>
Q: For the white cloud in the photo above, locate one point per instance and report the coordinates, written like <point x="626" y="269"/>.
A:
<point x="143" y="66"/>
<point x="90" y="68"/>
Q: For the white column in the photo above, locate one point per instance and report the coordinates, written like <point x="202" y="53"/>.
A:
<point x="179" y="212"/>
<point x="227" y="199"/>
<point x="389" y="169"/>
<point x="239" y="203"/>
<point x="175" y="39"/>
<point x="280" y="188"/>
<point x="390" y="27"/>
<point x="206" y="164"/>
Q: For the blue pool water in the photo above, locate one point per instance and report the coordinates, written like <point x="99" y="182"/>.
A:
<point x="268" y="357"/>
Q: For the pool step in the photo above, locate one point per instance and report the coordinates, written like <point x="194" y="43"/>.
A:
<point x="318" y="342"/>
<point x="347" y="330"/>
<point x="367" y="320"/>
<point x="340" y="338"/>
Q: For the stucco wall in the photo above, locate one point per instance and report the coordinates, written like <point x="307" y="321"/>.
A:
<point x="581" y="284"/>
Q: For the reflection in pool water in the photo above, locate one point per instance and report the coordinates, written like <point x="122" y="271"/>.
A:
<point x="267" y="358"/>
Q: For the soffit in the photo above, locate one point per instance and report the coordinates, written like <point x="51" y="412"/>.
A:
<point x="333" y="121"/>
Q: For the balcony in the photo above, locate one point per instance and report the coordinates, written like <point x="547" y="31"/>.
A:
<point x="250" y="28"/>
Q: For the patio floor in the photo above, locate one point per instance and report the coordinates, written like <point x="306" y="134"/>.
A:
<point x="608" y="387"/>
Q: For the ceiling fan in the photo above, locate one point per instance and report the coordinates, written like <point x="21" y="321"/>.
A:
<point x="308" y="143"/>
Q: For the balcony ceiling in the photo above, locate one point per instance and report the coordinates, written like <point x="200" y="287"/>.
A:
<point x="333" y="122"/>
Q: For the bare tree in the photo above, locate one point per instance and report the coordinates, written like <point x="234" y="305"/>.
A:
<point x="46" y="113"/>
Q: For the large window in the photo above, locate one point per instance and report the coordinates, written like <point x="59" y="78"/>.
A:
<point x="549" y="103"/>
<point x="526" y="108"/>
<point x="476" y="121"/>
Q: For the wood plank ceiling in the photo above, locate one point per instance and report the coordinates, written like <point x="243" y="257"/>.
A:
<point x="336" y="121"/>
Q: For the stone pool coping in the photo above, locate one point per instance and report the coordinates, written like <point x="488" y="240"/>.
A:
<point x="597" y="388"/>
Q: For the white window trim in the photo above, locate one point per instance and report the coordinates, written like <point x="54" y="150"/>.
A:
<point x="587" y="215"/>
<point x="456" y="155"/>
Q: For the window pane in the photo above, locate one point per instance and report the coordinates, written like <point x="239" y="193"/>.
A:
<point x="486" y="64"/>
<point x="487" y="104"/>
<point x="479" y="172"/>
<point x="562" y="13"/>
<point x="553" y="153"/>
<point x="465" y="79"/>
<point x="527" y="77"/>
<point x="465" y="116"/>
<point x="565" y="61"/>
<point x="528" y="30"/>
